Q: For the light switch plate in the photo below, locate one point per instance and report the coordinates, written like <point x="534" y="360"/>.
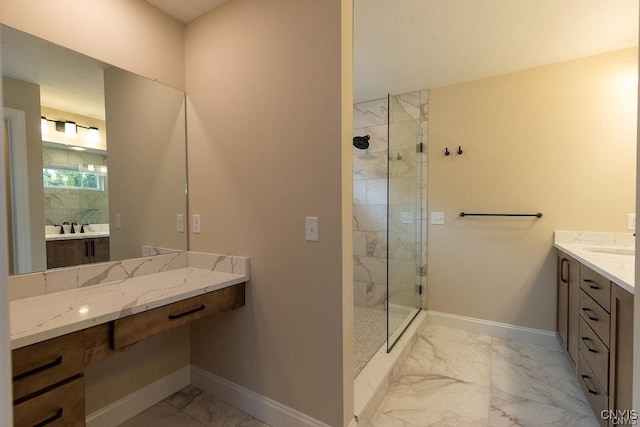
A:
<point x="196" y="223"/>
<point x="118" y="221"/>
<point x="437" y="218"/>
<point x="180" y="223"/>
<point x="311" y="229"/>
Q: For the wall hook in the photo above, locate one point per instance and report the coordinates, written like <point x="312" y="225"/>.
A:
<point x="459" y="150"/>
<point x="398" y="156"/>
<point x="446" y="151"/>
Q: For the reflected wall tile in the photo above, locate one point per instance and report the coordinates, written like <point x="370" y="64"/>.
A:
<point x="360" y="192"/>
<point x="403" y="164"/>
<point x="402" y="274"/>
<point x="402" y="246"/>
<point x="360" y="293"/>
<point x="370" y="218"/>
<point x="370" y="270"/>
<point x="376" y="244"/>
<point x="370" y="113"/>
<point x="378" y="140"/>
<point x="411" y="103"/>
<point x="360" y="243"/>
<point x="424" y="105"/>
<point x="376" y="191"/>
<point x="377" y="296"/>
<point x="402" y="191"/>
<point x="404" y="135"/>
<point x="370" y="165"/>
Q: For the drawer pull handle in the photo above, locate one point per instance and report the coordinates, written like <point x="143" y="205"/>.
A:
<point x="38" y="369"/>
<point x="590" y="316"/>
<point x="591" y="284"/>
<point x="589" y="389"/>
<point x="51" y="419"/>
<point x="186" y="313"/>
<point x="562" y="279"/>
<point x="587" y="340"/>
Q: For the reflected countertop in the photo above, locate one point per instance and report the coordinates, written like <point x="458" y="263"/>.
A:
<point x="69" y="236"/>
<point x="611" y="255"/>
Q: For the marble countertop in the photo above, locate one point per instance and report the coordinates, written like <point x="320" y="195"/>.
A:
<point x="69" y="236"/>
<point x="42" y="317"/>
<point x="610" y="254"/>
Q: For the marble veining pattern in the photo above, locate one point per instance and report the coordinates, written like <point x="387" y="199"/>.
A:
<point x="105" y="296"/>
<point x="610" y="254"/>
<point x="455" y="378"/>
<point x="191" y="407"/>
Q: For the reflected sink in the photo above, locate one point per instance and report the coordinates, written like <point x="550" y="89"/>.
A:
<point x="613" y="251"/>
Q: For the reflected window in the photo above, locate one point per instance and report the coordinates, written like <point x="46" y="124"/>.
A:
<point x="65" y="177"/>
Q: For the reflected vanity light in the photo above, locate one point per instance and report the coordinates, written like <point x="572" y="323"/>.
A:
<point x="74" y="148"/>
<point x="83" y="310"/>
<point x="90" y="167"/>
<point x="70" y="128"/>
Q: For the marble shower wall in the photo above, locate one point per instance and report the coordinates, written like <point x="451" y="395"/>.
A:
<point x="371" y="176"/>
<point x="72" y="205"/>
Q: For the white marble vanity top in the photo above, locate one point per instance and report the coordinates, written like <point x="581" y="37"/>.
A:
<point x="610" y="254"/>
<point x="86" y="235"/>
<point x="42" y="317"/>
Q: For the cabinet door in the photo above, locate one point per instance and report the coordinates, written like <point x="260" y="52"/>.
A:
<point x="64" y="253"/>
<point x="573" y="322"/>
<point x="99" y="249"/>
<point x="563" y="299"/>
<point x="621" y="349"/>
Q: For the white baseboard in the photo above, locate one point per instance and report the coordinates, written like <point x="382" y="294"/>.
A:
<point x="501" y="330"/>
<point x="254" y="404"/>
<point x="140" y="400"/>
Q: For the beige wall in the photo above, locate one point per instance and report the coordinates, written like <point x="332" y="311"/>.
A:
<point x="130" y="34"/>
<point x="560" y="140"/>
<point x="147" y="163"/>
<point x="137" y="37"/>
<point x="26" y="97"/>
<point x="264" y="151"/>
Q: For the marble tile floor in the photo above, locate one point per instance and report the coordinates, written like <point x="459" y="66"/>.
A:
<point x="191" y="407"/>
<point x="458" y="378"/>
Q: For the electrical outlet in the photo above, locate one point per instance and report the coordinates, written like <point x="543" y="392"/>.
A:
<point x="180" y="223"/>
<point x="631" y="221"/>
<point x="196" y="223"/>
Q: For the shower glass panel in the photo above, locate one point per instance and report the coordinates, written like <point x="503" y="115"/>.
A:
<point x="403" y="217"/>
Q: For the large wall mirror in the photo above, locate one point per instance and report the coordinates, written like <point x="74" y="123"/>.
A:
<point x="96" y="158"/>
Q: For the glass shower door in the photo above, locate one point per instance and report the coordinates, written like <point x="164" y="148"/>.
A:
<point x="403" y="216"/>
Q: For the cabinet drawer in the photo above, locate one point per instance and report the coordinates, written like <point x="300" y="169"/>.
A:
<point x="595" y="353"/>
<point x="46" y="363"/>
<point x="131" y="329"/>
<point x="596" y="286"/>
<point x="592" y="388"/>
<point x="595" y="317"/>
<point x="61" y="406"/>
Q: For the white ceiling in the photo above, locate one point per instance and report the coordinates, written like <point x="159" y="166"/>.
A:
<point x="186" y="11"/>
<point x="69" y="81"/>
<point x="402" y="46"/>
<point x="399" y="46"/>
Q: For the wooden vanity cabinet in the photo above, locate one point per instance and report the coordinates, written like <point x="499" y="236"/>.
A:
<point x="72" y="252"/>
<point x="568" y="299"/>
<point x="604" y="338"/>
<point x="621" y="336"/>
<point x="48" y="377"/>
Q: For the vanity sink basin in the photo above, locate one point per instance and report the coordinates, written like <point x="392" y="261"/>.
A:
<point x="612" y="251"/>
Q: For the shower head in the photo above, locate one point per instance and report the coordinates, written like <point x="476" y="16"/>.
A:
<point x="361" y="142"/>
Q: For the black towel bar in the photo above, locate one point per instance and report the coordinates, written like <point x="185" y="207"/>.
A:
<point x="463" y="214"/>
